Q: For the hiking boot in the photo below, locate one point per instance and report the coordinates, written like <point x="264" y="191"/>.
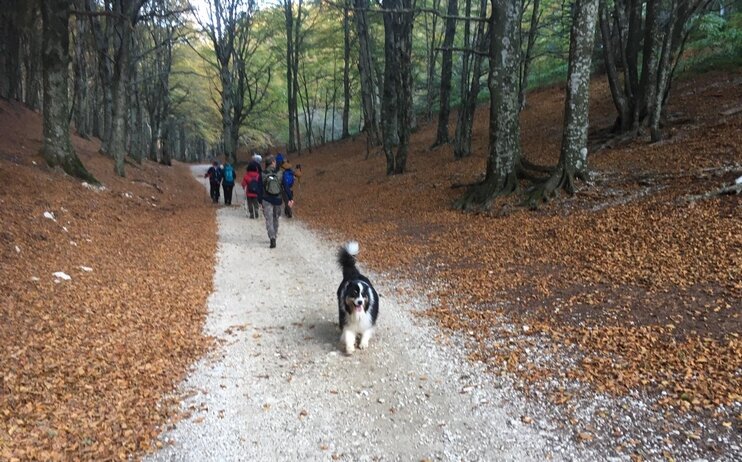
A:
<point x="273" y="244"/>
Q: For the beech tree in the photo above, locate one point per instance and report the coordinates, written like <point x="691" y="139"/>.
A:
<point x="471" y="69"/>
<point x="57" y="147"/>
<point x="646" y="40"/>
<point x="444" y="111"/>
<point x="504" y="128"/>
<point x="367" y="73"/>
<point x="573" y="155"/>
<point x="397" y="103"/>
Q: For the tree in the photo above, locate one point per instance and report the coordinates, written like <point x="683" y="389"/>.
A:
<point x="346" y="71"/>
<point x="504" y="129"/>
<point x="58" y="151"/>
<point x="655" y="31"/>
<point x="527" y="56"/>
<point x="444" y="111"/>
<point x="397" y="97"/>
<point x="126" y="15"/>
<point x="474" y="52"/>
<point x="573" y="155"/>
<point x="366" y="71"/>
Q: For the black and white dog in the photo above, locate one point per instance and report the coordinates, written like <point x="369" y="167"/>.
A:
<point x="358" y="302"/>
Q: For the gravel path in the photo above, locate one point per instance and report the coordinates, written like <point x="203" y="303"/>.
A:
<point x="279" y="387"/>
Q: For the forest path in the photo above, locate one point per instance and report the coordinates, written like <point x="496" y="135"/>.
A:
<point x="278" y="386"/>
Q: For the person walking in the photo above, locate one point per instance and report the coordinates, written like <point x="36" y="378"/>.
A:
<point x="287" y="190"/>
<point x="271" y="199"/>
<point x="214" y="174"/>
<point x="228" y="183"/>
<point x="253" y="186"/>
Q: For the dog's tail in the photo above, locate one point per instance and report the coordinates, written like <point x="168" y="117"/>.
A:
<point x="347" y="259"/>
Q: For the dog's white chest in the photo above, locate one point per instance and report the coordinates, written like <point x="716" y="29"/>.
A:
<point x="359" y="322"/>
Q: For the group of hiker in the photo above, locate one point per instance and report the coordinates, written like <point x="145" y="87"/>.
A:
<point x="268" y="186"/>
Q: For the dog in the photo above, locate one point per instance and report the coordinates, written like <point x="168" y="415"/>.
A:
<point x="358" y="302"/>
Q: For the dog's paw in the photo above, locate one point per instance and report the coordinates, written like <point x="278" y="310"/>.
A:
<point x="350" y="349"/>
<point x="364" y="344"/>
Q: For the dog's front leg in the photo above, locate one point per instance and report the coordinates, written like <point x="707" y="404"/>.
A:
<point x="349" y="338"/>
<point x="365" y="337"/>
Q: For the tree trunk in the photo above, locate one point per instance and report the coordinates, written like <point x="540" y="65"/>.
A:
<point x="397" y="104"/>
<point x="290" y="76"/>
<point x="504" y="132"/>
<point x="58" y="151"/>
<point x="462" y="145"/>
<point x="444" y="111"/>
<point x="346" y="75"/>
<point x="81" y="81"/>
<point x="527" y="57"/>
<point x="10" y="54"/>
<point x="366" y="71"/>
<point x="609" y="56"/>
<point x="573" y="156"/>
<point x="31" y="43"/>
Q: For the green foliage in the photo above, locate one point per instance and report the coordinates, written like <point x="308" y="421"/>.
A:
<point x="715" y="43"/>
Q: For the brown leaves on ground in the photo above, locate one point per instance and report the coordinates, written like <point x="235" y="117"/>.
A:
<point x="643" y="284"/>
<point x="86" y="362"/>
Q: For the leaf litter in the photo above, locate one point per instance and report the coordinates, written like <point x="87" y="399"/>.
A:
<point x="631" y="297"/>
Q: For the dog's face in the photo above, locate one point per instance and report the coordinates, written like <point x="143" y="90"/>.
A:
<point x="356" y="298"/>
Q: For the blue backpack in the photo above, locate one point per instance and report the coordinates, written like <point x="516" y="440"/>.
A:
<point x="228" y="174"/>
<point x="288" y="178"/>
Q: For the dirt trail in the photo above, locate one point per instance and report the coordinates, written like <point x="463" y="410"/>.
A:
<point x="278" y="387"/>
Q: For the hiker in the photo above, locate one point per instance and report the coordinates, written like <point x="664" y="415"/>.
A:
<point x="214" y="174"/>
<point x="287" y="183"/>
<point x="228" y="182"/>
<point x="253" y="187"/>
<point x="271" y="199"/>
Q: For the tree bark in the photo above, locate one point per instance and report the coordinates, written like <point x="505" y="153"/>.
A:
<point x="346" y="75"/>
<point x="504" y="131"/>
<point x="444" y="111"/>
<point x="366" y="72"/>
<point x="58" y="151"/>
<point x="470" y="92"/>
<point x="573" y="156"/>
<point x="527" y="57"/>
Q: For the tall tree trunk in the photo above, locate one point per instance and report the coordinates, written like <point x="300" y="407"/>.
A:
<point x="103" y="39"/>
<point x="444" y="111"/>
<point x="528" y="56"/>
<point x="32" y="60"/>
<point x="397" y="103"/>
<point x="614" y="81"/>
<point x="346" y="75"/>
<point x="470" y="94"/>
<point x="10" y="54"/>
<point x="289" y="21"/>
<point x="504" y="132"/>
<point x="573" y="156"/>
<point x="366" y="71"/>
<point x="431" y="38"/>
<point x="120" y="82"/>
<point x="81" y="80"/>
<point x="58" y="151"/>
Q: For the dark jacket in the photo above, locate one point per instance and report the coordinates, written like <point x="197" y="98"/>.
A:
<point x="214" y="174"/>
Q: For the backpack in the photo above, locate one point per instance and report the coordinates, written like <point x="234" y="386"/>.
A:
<point x="288" y="178"/>
<point x="253" y="186"/>
<point x="228" y="174"/>
<point x="272" y="184"/>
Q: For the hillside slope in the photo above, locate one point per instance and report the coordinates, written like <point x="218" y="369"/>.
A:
<point x="86" y="361"/>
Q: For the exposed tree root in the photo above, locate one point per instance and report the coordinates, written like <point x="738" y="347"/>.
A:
<point x="479" y="197"/>
<point x="562" y="179"/>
